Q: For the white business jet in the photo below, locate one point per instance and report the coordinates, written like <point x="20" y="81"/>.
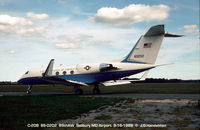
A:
<point x="140" y="59"/>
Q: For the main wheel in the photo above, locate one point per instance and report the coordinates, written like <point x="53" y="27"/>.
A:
<point x="96" y="91"/>
<point x="28" y="91"/>
<point x="79" y="92"/>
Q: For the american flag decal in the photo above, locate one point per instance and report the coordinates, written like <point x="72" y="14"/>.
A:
<point x="147" y="45"/>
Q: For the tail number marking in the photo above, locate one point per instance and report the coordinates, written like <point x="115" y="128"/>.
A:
<point x="138" y="56"/>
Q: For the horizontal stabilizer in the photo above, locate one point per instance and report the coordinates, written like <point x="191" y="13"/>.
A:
<point x="172" y="35"/>
<point x="164" y="64"/>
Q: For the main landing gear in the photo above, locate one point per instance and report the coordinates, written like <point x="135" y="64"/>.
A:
<point x="29" y="89"/>
<point x="78" y="90"/>
<point x="96" y="89"/>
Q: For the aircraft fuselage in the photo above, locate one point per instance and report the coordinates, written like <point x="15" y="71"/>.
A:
<point x="87" y="73"/>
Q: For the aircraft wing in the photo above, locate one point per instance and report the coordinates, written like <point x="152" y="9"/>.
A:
<point x="47" y="76"/>
<point x="127" y="81"/>
<point x="56" y="80"/>
<point x="115" y="82"/>
<point x="121" y="82"/>
<point x="144" y="76"/>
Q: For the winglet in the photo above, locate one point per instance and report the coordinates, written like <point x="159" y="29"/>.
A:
<point x="49" y="69"/>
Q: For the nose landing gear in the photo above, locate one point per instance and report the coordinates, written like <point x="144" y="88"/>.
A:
<point x="29" y="89"/>
<point x="96" y="89"/>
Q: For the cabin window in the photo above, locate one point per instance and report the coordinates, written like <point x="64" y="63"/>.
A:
<point x="27" y="72"/>
<point x="72" y="72"/>
<point x="64" y="72"/>
<point x="57" y="73"/>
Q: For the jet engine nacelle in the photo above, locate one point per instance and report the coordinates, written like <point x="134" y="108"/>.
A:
<point x="106" y="67"/>
<point x="101" y="67"/>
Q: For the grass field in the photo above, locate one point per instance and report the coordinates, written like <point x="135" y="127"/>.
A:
<point x="165" y="88"/>
<point x="17" y="112"/>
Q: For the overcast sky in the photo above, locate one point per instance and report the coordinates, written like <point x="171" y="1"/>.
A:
<point x="87" y="31"/>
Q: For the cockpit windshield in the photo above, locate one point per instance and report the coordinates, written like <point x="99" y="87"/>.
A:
<point x="27" y="72"/>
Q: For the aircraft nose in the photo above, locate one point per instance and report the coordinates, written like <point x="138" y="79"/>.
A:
<point x="20" y="81"/>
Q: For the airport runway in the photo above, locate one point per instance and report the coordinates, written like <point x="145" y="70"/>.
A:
<point x="125" y="95"/>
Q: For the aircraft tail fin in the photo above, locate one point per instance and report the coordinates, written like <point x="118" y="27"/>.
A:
<point x="147" y="47"/>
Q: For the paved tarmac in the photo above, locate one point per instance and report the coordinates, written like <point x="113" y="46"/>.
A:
<point x="153" y="96"/>
<point x="125" y="95"/>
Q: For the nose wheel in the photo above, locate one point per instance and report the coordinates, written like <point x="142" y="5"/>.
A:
<point x="29" y="89"/>
<point x="96" y="89"/>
